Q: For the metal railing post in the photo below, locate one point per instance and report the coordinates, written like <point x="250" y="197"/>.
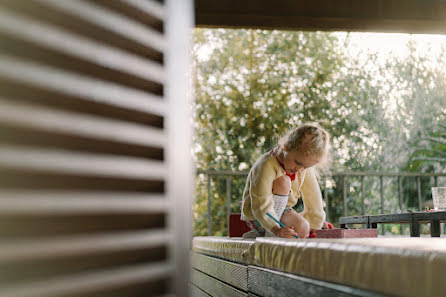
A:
<point x="400" y="198"/>
<point x="209" y="207"/>
<point x="228" y="198"/>
<point x="327" y="212"/>
<point x="381" y="195"/>
<point x="400" y="193"/>
<point x="419" y="192"/>
<point x="362" y="195"/>
<point x="344" y="194"/>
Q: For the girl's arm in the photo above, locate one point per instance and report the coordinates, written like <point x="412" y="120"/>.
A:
<point x="312" y="197"/>
<point x="261" y="194"/>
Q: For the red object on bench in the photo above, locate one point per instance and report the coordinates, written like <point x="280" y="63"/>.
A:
<point x="345" y="233"/>
<point x="236" y="226"/>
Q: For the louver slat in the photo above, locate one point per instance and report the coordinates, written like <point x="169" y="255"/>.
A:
<point x="57" y="80"/>
<point x="31" y="116"/>
<point x="91" y="282"/>
<point x="76" y="46"/>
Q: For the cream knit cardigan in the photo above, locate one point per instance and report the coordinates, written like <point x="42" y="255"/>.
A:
<point x="258" y="195"/>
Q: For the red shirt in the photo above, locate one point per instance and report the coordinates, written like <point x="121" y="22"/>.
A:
<point x="292" y="176"/>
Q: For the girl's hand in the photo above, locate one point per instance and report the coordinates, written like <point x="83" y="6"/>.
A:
<point x="327" y="225"/>
<point x="284" y="232"/>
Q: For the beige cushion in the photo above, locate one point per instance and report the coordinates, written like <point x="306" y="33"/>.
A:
<point x="411" y="267"/>
<point x="233" y="249"/>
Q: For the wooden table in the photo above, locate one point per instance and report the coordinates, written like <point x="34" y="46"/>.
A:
<point x="412" y="218"/>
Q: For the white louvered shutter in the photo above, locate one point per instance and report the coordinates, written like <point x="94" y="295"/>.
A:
<point x="84" y="160"/>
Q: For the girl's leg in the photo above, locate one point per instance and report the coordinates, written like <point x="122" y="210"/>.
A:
<point x="293" y="219"/>
<point x="281" y="190"/>
<point x="282" y="185"/>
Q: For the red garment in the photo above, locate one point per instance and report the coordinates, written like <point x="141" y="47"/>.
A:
<point x="292" y="176"/>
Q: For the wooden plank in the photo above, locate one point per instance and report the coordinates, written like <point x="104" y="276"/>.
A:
<point x="404" y="9"/>
<point x="334" y="15"/>
<point x="93" y="127"/>
<point x="76" y="46"/>
<point x="60" y="247"/>
<point x="397" y="217"/>
<point x="22" y="202"/>
<point x="91" y="282"/>
<point x="114" y="22"/>
<point x="213" y="286"/>
<point x="353" y="220"/>
<point x="426" y="217"/>
<point x="30" y="73"/>
<point x="228" y="272"/>
<point x="197" y="292"/>
<point x="270" y="283"/>
<point x="391" y="218"/>
<point x="62" y="162"/>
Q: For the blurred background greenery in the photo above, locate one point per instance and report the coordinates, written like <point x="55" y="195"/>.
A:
<point x="386" y="112"/>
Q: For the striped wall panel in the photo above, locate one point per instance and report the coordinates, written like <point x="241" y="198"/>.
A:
<point x="84" y="205"/>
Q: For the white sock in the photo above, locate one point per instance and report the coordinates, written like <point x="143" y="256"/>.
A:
<point x="280" y="202"/>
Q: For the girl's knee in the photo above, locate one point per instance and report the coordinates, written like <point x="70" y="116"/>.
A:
<point x="303" y="228"/>
<point x="282" y="185"/>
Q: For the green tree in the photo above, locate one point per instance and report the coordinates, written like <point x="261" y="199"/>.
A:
<point x="429" y="151"/>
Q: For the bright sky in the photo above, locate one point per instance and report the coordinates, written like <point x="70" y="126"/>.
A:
<point x="392" y="42"/>
<point x="380" y="42"/>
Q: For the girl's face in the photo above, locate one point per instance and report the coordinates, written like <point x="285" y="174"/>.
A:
<point x="296" y="161"/>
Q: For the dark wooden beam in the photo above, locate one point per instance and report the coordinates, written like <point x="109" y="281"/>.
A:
<point x="406" y="16"/>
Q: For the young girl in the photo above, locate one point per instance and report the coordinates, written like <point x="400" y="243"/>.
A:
<point x="280" y="177"/>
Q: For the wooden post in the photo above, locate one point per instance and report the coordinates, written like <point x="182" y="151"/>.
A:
<point x="414" y="228"/>
<point x="435" y="228"/>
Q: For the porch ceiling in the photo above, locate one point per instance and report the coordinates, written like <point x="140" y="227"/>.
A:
<point x="408" y="16"/>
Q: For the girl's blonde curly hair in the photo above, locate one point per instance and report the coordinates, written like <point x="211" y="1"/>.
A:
<point x="312" y="140"/>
